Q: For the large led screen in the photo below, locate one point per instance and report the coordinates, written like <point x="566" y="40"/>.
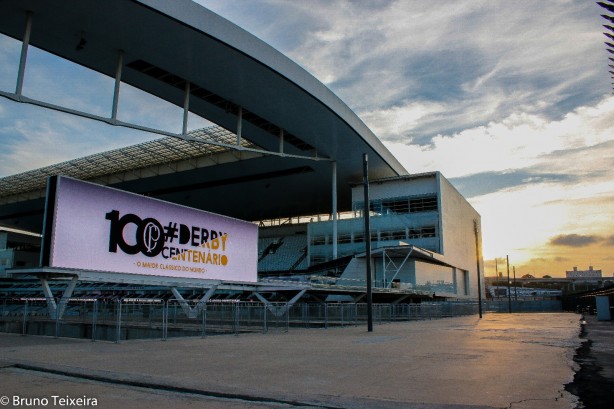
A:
<point x="104" y="229"/>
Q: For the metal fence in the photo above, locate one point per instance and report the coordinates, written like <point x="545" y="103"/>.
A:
<point x="119" y="320"/>
<point x="504" y="305"/>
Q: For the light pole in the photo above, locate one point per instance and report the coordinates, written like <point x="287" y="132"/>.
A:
<point x="515" y="288"/>
<point x="509" y="294"/>
<point x="477" y="260"/>
<point x="497" y="275"/>
<point x="365" y="171"/>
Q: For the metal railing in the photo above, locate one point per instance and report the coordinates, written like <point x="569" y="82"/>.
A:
<point x="124" y="319"/>
<point x="537" y="305"/>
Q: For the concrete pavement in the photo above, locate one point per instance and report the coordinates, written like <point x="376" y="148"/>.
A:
<point x="501" y="361"/>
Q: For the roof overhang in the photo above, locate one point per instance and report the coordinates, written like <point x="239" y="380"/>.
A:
<point x="408" y="251"/>
<point x="166" y="44"/>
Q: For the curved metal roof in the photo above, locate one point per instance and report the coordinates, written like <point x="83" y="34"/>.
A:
<point x="143" y="160"/>
<point x="167" y="44"/>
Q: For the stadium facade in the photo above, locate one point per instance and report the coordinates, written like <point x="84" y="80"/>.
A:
<point x="423" y="233"/>
<point x="284" y="149"/>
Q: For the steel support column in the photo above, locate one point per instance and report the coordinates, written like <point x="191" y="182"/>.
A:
<point x="51" y="305"/>
<point x="281" y="141"/>
<point x="186" y="108"/>
<point x="118" y="79"/>
<point x="66" y="296"/>
<point x="189" y="311"/>
<point x="334" y="206"/>
<point x="239" y="126"/>
<point x="279" y="311"/>
<point x="384" y="284"/>
<point x="24" y="54"/>
<point x="55" y="311"/>
<point x="203" y="301"/>
<point x="366" y="215"/>
<point x="182" y="302"/>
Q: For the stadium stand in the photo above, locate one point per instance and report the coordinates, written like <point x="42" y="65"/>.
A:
<point x="290" y="254"/>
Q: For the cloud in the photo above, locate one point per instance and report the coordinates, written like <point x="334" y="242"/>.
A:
<point x="9" y="61"/>
<point x="526" y="145"/>
<point x="485" y="59"/>
<point x="491" y="182"/>
<point x="39" y="137"/>
<point x="539" y="261"/>
<point x="574" y="240"/>
<point x="395" y="123"/>
<point x="58" y="81"/>
<point x="438" y="68"/>
<point x="562" y="259"/>
<point x="481" y="60"/>
<point x="520" y="221"/>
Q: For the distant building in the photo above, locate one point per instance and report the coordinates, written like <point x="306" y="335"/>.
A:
<point x="590" y="273"/>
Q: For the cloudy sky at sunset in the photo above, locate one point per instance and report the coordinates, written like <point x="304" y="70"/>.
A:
<point x="511" y="100"/>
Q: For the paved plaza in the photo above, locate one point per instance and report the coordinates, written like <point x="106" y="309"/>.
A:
<point x="500" y="361"/>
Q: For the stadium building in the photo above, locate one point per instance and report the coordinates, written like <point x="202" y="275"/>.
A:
<point x="286" y="154"/>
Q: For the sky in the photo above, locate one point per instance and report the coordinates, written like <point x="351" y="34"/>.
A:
<point x="511" y="100"/>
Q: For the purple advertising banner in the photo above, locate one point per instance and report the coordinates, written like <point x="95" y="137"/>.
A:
<point x="105" y="229"/>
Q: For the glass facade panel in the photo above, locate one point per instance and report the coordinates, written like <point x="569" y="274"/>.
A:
<point x="344" y="238"/>
<point x="318" y="240"/>
<point x="424" y="204"/>
<point x="427" y="232"/>
<point x="400" y="205"/>
<point x="398" y="235"/>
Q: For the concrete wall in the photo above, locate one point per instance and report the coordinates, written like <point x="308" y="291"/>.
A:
<point x="379" y="224"/>
<point x="354" y="274"/>
<point x="459" y="241"/>
<point x="396" y="188"/>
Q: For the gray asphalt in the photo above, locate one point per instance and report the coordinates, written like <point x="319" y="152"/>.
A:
<point x="500" y="361"/>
